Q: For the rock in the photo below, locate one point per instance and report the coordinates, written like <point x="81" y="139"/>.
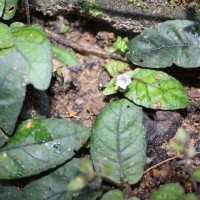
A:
<point x="122" y="14"/>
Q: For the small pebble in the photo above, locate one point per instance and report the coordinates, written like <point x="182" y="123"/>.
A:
<point x="79" y="101"/>
<point x="197" y="146"/>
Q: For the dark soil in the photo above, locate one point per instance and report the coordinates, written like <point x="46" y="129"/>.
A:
<point x="77" y="95"/>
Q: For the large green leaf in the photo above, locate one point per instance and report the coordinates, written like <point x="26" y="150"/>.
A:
<point x="2" y="5"/>
<point x="10" y="192"/>
<point x="12" y="89"/>
<point x="35" y="47"/>
<point x="190" y="196"/>
<point x="54" y="185"/>
<point x="166" y="43"/>
<point x="6" y="39"/>
<point x="170" y="191"/>
<point x="39" y="145"/>
<point x="118" y="142"/>
<point x="157" y="90"/>
<point x="10" y="9"/>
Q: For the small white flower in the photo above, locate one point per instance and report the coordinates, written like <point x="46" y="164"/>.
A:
<point x="123" y="81"/>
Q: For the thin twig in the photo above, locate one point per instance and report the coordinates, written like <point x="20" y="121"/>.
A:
<point x="80" y="48"/>
<point x="164" y="161"/>
<point x="167" y="160"/>
<point x="27" y="12"/>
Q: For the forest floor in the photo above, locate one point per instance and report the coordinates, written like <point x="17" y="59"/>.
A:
<point x="77" y="95"/>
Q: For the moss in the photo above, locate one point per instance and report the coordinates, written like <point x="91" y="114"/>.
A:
<point x="198" y="11"/>
<point x="91" y="8"/>
<point x="139" y="4"/>
<point x="45" y="4"/>
<point x="176" y="3"/>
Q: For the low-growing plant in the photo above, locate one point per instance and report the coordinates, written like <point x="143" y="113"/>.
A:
<point x="139" y="3"/>
<point x="120" y="46"/>
<point x="117" y="138"/>
<point x="171" y="42"/>
<point x="25" y="58"/>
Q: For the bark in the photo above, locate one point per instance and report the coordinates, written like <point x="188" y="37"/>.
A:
<point x="120" y="13"/>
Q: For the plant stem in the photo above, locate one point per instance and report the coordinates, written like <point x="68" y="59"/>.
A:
<point x="27" y="12"/>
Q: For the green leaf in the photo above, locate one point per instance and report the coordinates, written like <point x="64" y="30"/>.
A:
<point x="190" y="196"/>
<point x="113" y="195"/>
<point x="170" y="191"/>
<point x="110" y="49"/>
<point x="2" y="5"/>
<point x="86" y="167"/>
<point x="35" y="48"/>
<point x="59" y="72"/>
<point x="12" y="89"/>
<point x="64" y="28"/>
<point x="196" y="174"/>
<point x="133" y="198"/>
<point x="3" y="138"/>
<point x="157" y="90"/>
<point x="17" y="25"/>
<point x="7" y="51"/>
<point x="77" y="184"/>
<point x="88" y="193"/>
<point x="66" y="57"/>
<point x="110" y="87"/>
<point x="10" y="9"/>
<point x="39" y="145"/>
<point x="118" y="142"/>
<point x="10" y="192"/>
<point x="121" y="44"/>
<point x="6" y="39"/>
<point x="115" y="67"/>
<point x="166" y="43"/>
<point x="54" y="185"/>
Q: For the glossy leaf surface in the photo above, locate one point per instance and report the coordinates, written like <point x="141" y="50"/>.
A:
<point x="166" y="43"/>
<point x="35" y="48"/>
<point x="12" y="89"/>
<point x="9" y="9"/>
<point x="39" y="145"/>
<point x="6" y="39"/>
<point x="110" y="87"/>
<point x="115" y="67"/>
<point x="2" y="5"/>
<point x="118" y="142"/>
<point x="10" y="192"/>
<point x="172" y="191"/>
<point x="54" y="185"/>
<point x="157" y="90"/>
